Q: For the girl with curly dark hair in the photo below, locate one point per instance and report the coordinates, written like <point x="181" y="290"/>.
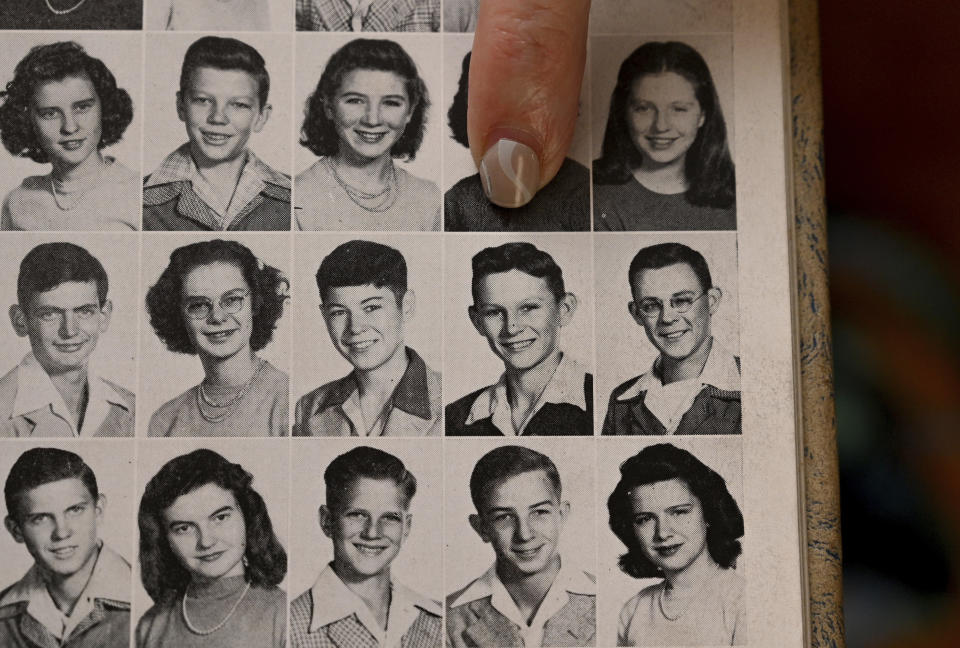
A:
<point x="665" y="163"/>
<point x="209" y="558"/>
<point x="216" y="300"/>
<point x="680" y="523"/>
<point x="369" y="107"/>
<point x="63" y="106"/>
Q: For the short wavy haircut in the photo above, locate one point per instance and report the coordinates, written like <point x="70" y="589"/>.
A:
<point x="505" y="462"/>
<point x="361" y="263"/>
<point x="708" y="166"/>
<point x="663" y="462"/>
<point x="48" y="265"/>
<point x="372" y="463"/>
<point x="163" y="576"/>
<point x="661" y="255"/>
<point x="39" y="466"/>
<point x="319" y="133"/>
<point x="269" y="289"/>
<point x="222" y="53"/>
<point x="55" y="62"/>
<point x="522" y="256"/>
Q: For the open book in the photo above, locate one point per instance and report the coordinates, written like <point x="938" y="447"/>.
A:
<point x="602" y="419"/>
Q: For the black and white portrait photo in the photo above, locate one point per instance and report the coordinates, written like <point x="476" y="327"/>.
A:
<point x="368" y="114"/>
<point x="212" y="520"/>
<point x="662" y="142"/>
<point x="661" y="16"/>
<point x="368" y="15"/>
<point x="216" y="153"/>
<point x="65" y="577"/>
<point x="70" y="120"/>
<point x="71" y="14"/>
<point x="215" y="345"/>
<point x="68" y="357"/>
<point x="669" y="305"/>
<point x="671" y="557"/>
<point x="218" y="15"/>
<point x="368" y="349"/>
<point x="561" y="205"/>
<point x="521" y="547"/>
<point x="519" y="336"/>
<point x="366" y="556"/>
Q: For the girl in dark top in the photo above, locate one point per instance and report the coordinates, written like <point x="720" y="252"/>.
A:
<point x="665" y="163"/>
<point x="209" y="558"/>
<point x="562" y="205"/>
<point x="71" y="14"/>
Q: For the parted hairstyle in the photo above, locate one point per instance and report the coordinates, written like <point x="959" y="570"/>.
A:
<point x="48" y="265"/>
<point x="163" y="576"/>
<point x="269" y="291"/>
<point x="319" y="133"/>
<point x="364" y="461"/>
<point x="708" y="167"/>
<point x="361" y="263"/>
<point x="222" y="53"/>
<point x="662" y="255"/>
<point x="522" y="256"/>
<point x="55" y="62"/>
<point x="663" y="462"/>
<point x="39" y="466"/>
<point x="457" y="115"/>
<point x="504" y="462"/>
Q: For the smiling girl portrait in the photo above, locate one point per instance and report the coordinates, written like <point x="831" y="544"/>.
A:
<point x="218" y="301"/>
<point x="63" y="107"/>
<point x="665" y="162"/>
<point x="369" y="110"/>
<point x="209" y="558"/>
<point x="679" y="522"/>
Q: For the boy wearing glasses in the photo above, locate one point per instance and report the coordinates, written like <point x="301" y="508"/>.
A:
<point x="693" y="386"/>
<point x="62" y="307"/>
<point x="77" y="593"/>
<point x="214" y="181"/>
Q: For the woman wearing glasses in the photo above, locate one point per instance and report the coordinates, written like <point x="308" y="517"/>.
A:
<point x="215" y="299"/>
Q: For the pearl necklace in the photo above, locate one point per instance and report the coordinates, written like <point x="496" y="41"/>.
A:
<point x="364" y="199"/>
<point x="63" y="12"/>
<point x="194" y="629"/>
<point x="230" y="404"/>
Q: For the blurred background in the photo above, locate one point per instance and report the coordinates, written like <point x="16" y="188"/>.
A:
<point x="892" y="144"/>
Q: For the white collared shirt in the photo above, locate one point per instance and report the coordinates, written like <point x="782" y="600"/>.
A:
<point x="333" y="601"/>
<point x="36" y="391"/>
<point x="564" y="386"/>
<point x="568" y="581"/>
<point x="110" y="579"/>
<point x="668" y="403"/>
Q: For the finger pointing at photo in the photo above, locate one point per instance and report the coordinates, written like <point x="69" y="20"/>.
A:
<point x="525" y="74"/>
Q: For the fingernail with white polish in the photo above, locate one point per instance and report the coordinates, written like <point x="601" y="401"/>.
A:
<point x="510" y="172"/>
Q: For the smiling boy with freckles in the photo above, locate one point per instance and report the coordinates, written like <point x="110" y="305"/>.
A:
<point x="693" y="386"/>
<point x="214" y="181"/>
<point x="62" y="308"/>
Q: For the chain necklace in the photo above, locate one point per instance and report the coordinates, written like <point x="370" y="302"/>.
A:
<point x="365" y="200"/>
<point x="198" y="631"/>
<point x="63" y="12"/>
<point x="93" y="182"/>
<point x="230" y="405"/>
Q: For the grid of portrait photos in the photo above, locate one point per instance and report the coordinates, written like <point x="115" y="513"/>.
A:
<point x="278" y="374"/>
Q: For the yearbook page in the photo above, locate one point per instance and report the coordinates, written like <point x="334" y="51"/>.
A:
<point x="277" y="373"/>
